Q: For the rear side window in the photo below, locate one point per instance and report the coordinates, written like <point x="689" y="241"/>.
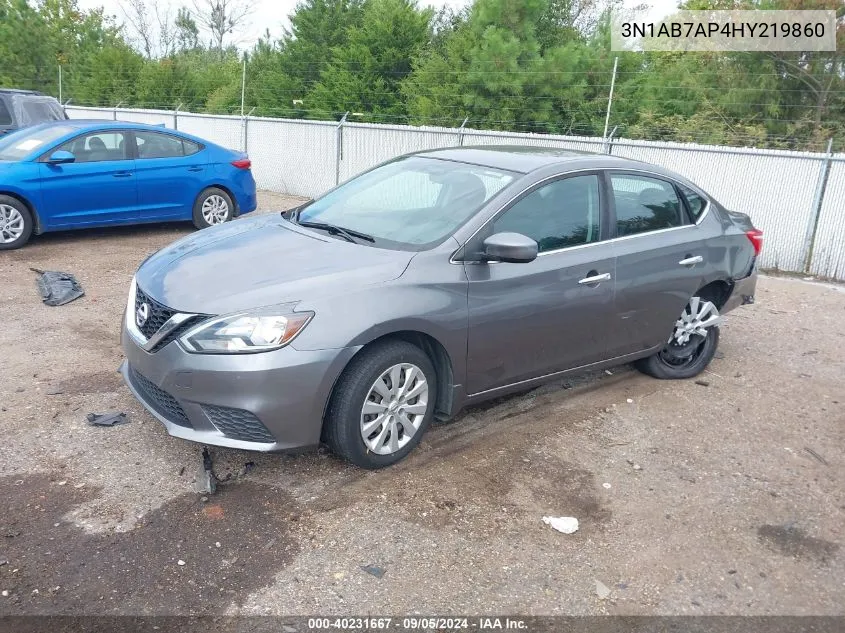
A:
<point x="645" y="204"/>
<point x="5" y="115"/>
<point x="190" y="147"/>
<point x="695" y="202"/>
<point x="154" y="145"/>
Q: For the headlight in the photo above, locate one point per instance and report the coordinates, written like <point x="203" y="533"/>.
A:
<point x="249" y="332"/>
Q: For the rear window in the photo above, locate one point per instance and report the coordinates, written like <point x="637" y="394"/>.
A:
<point x="35" y="109"/>
<point x="22" y="143"/>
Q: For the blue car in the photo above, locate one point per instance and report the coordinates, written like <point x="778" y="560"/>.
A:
<point x="79" y="174"/>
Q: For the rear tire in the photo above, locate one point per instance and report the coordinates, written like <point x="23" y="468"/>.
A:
<point x="15" y="223"/>
<point x="386" y="388"/>
<point x="692" y="345"/>
<point x="658" y="366"/>
<point x="213" y="206"/>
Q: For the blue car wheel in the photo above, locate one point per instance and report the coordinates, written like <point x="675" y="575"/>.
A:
<point x="15" y="223"/>
<point x="213" y="206"/>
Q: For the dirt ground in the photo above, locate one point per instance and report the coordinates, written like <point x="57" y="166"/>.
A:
<point x="717" y="496"/>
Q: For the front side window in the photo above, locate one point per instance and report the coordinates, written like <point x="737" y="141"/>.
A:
<point x="154" y="145"/>
<point x="97" y="147"/>
<point x="562" y="213"/>
<point x="644" y="204"/>
<point x="410" y="202"/>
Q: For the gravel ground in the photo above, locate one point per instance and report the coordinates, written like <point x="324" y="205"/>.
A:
<point x="722" y="495"/>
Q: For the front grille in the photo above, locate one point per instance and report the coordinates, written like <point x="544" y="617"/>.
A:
<point x="159" y="314"/>
<point x="159" y="399"/>
<point x="238" y="424"/>
<point x="178" y="331"/>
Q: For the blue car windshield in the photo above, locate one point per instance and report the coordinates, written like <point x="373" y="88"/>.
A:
<point x="410" y="202"/>
<point x="22" y="143"/>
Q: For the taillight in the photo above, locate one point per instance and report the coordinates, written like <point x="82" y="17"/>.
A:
<point x="756" y="238"/>
<point x="242" y="163"/>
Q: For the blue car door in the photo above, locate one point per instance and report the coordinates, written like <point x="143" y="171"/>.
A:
<point x="97" y="188"/>
<point x="171" y="173"/>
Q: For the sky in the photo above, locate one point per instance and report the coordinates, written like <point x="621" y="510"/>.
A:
<point x="273" y="14"/>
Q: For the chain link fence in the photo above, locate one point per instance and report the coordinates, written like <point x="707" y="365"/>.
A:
<point x="796" y="198"/>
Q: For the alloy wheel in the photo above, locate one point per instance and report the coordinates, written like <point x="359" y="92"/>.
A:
<point x="11" y="224"/>
<point x="215" y="209"/>
<point x="690" y="333"/>
<point x="394" y="409"/>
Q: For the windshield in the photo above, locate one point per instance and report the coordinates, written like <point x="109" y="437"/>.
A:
<point x="22" y="143"/>
<point x="410" y="202"/>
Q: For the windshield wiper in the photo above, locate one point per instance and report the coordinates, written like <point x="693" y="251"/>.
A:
<point x="348" y="234"/>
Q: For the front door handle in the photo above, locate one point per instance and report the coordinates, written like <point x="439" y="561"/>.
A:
<point x="691" y="261"/>
<point x="594" y="278"/>
<point x="195" y="168"/>
<point x="122" y="174"/>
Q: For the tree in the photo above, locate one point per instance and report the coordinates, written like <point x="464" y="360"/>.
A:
<point x="156" y="32"/>
<point x="318" y="28"/>
<point x="366" y="73"/>
<point x="138" y="17"/>
<point x="221" y="18"/>
<point x="186" y="31"/>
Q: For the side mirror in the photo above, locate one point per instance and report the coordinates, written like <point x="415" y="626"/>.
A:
<point x="60" y="157"/>
<point x="513" y="248"/>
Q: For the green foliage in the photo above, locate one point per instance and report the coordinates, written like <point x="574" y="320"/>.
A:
<point x="366" y="71"/>
<point x="536" y="65"/>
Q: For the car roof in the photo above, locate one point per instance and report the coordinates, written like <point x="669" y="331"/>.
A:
<point x="84" y="124"/>
<point x="525" y="159"/>
<point x="19" y="91"/>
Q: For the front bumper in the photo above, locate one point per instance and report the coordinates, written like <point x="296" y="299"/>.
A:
<point x="272" y="401"/>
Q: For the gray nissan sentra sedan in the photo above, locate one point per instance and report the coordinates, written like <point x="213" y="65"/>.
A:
<point x="431" y="282"/>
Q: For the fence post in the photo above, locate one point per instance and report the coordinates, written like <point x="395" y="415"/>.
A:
<point x="815" y="212"/>
<point x="60" y="83"/>
<point x="338" y="143"/>
<point x="114" y="110"/>
<point x="610" y="96"/>
<point x="461" y="133"/>
<point x="245" y="139"/>
<point x="176" y="117"/>
<point x="243" y="87"/>
<point x="608" y="142"/>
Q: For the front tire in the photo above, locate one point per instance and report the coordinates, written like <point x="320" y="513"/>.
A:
<point x="213" y="206"/>
<point x="382" y="405"/>
<point x="691" y="347"/>
<point x="15" y="223"/>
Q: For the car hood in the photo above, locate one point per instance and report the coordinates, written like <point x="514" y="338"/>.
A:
<point x="258" y="262"/>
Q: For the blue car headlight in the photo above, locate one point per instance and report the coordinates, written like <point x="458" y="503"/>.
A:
<point x="247" y="332"/>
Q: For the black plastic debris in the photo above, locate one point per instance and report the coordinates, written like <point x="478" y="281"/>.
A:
<point x="207" y="479"/>
<point x="112" y="418"/>
<point x="57" y="288"/>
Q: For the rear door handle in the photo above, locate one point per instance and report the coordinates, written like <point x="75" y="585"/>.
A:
<point x="691" y="261"/>
<point x="195" y="168"/>
<point x="595" y="279"/>
<point x="122" y="174"/>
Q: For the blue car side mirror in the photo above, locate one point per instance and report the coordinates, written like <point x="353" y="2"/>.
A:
<point x="61" y="157"/>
